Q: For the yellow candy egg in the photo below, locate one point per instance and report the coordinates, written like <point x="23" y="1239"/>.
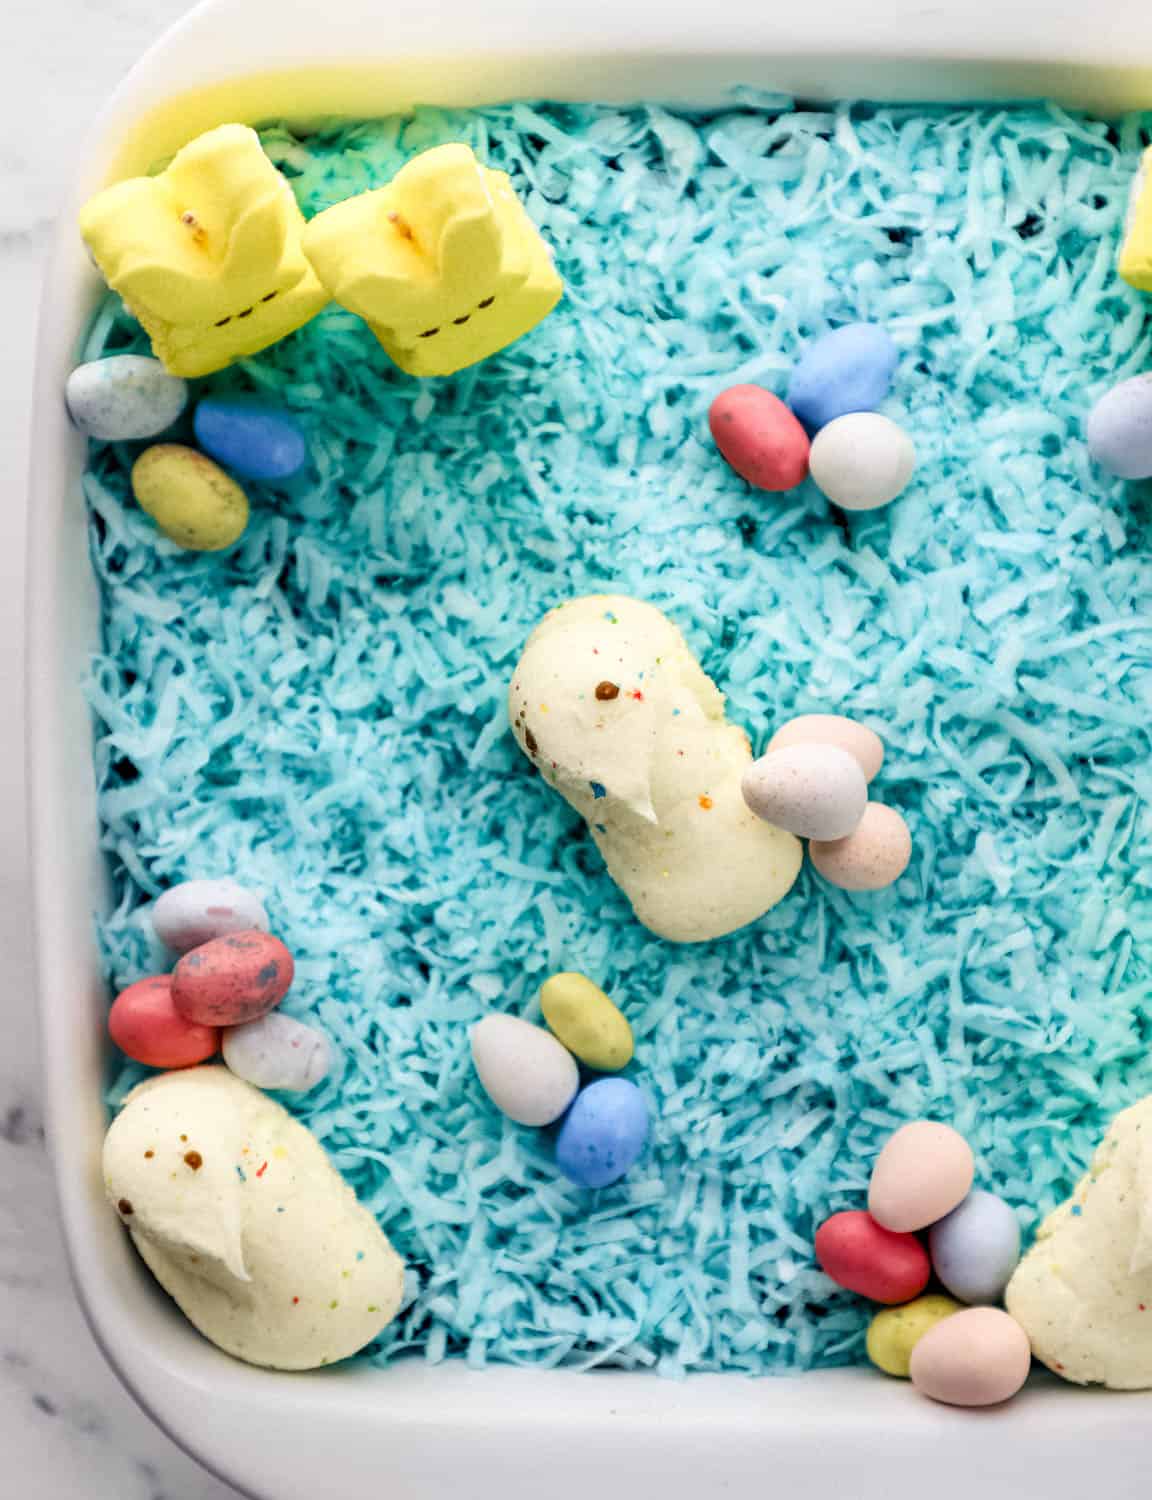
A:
<point x="895" y="1332"/>
<point x="586" y="1021"/>
<point x="189" y="497"/>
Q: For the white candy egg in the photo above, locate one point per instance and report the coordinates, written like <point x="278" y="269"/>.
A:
<point x="125" y="396"/>
<point x="862" y="461"/>
<point x="815" y="791"/>
<point x="196" y="911"/>
<point x="277" y="1052"/>
<point x="524" y="1070"/>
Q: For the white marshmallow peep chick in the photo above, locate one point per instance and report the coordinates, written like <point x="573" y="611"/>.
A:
<point x="244" y="1221"/>
<point x="617" y="715"/>
<point x="1083" y="1293"/>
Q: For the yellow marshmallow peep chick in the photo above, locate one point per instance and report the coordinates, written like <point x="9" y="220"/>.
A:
<point x="207" y="254"/>
<point x="443" y="263"/>
<point x="1136" y="249"/>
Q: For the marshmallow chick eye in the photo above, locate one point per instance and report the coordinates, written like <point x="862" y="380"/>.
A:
<point x="616" y="714"/>
<point x="246" y="1224"/>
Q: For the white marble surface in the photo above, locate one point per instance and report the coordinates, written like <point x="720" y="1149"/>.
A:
<point x="66" y="1427"/>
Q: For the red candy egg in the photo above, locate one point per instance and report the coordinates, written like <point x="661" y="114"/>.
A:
<point x="760" y="437"/>
<point x="232" y="979"/>
<point x="145" y="1024"/>
<point x="875" y="1262"/>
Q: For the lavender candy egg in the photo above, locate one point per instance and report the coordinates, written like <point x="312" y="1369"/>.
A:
<point x="277" y="1052"/>
<point x="196" y="911"/>
<point x="603" y="1133"/>
<point x="976" y="1248"/>
<point x="124" y="397"/>
<point x="1120" y="429"/>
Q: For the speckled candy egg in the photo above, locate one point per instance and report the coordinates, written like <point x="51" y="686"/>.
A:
<point x="191" y="499"/>
<point x="863" y="744"/>
<point x="976" y="1248"/>
<point x="922" y="1173"/>
<point x="523" y="1069"/>
<point x="124" y="397"/>
<point x="847" y="370"/>
<point x="862" y="461"/>
<point x="813" y="790"/>
<point x="196" y="911"/>
<point x="1120" y="429"/>
<point x="146" y="1026"/>
<point x="278" y="1052"/>
<point x="864" y="1257"/>
<point x="979" y="1357"/>
<point x="895" y="1332"/>
<point x="603" y="1133"/>
<point x="874" y="855"/>
<point x="250" y="437"/>
<point x="587" y="1022"/>
<point x="232" y="979"/>
<point x="759" y="437"/>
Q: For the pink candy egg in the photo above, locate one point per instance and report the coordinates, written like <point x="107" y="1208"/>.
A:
<point x="865" y="745"/>
<point x="145" y="1024"/>
<point x="864" y="1257"/>
<point x="922" y="1173"/>
<point x="873" y="855"/>
<point x="974" y="1358"/>
<point x="760" y="437"/>
<point x="232" y="979"/>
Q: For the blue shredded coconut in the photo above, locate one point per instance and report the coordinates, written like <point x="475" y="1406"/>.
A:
<point x="320" y="712"/>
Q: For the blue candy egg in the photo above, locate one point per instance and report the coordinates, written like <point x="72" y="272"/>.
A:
<point x="1120" y="429"/>
<point x="849" y="369"/>
<point x="250" y="438"/>
<point x="603" y="1133"/>
<point x="976" y="1248"/>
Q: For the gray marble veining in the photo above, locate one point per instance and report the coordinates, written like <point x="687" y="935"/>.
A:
<point x="67" y="1429"/>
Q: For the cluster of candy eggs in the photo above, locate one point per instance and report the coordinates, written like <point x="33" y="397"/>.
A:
<point x="222" y="994"/>
<point x="192" y="494"/>
<point x="532" y="1076"/>
<point x="974" y="1355"/>
<point x="813" y="781"/>
<point x="828" y="427"/>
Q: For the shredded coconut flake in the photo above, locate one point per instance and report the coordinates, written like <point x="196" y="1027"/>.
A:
<point x="320" y="711"/>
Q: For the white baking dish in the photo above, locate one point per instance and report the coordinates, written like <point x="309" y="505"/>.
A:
<point x="449" y="1432"/>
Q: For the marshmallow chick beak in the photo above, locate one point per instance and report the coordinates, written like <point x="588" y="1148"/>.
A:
<point x="169" y="1170"/>
<point x="1083" y="1293"/>
<point x="243" y="1220"/>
